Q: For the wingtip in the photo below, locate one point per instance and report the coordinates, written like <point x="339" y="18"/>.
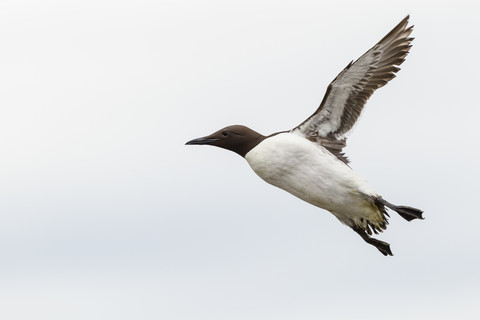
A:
<point x="405" y="21"/>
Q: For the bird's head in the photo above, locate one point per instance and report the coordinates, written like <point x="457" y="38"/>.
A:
<point x="237" y="138"/>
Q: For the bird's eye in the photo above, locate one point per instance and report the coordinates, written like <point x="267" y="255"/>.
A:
<point x="225" y="133"/>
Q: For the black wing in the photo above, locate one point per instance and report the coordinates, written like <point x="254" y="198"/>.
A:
<point x="346" y="95"/>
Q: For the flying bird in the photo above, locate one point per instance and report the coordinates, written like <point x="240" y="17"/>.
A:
<point x="307" y="161"/>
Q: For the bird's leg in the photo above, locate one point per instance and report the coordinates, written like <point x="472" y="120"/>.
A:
<point x="383" y="247"/>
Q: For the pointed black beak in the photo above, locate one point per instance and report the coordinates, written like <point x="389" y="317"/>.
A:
<point x="203" y="140"/>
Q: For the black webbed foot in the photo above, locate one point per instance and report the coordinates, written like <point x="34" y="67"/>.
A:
<point x="382" y="246"/>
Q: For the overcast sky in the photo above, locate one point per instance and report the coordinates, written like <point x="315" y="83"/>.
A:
<point x="106" y="214"/>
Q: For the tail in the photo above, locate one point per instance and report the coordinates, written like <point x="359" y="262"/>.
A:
<point x="407" y="213"/>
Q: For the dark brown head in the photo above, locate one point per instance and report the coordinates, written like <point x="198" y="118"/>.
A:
<point x="239" y="139"/>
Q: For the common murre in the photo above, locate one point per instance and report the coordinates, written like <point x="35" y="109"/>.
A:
<point x="307" y="161"/>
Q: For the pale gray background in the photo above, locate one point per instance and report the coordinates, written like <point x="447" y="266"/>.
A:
<point x="105" y="214"/>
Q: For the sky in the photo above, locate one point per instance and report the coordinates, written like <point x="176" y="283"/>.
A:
<point x="106" y="214"/>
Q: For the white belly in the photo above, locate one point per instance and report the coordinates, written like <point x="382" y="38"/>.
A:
<point x="311" y="173"/>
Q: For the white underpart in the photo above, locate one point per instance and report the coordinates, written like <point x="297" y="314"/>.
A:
<point x="310" y="172"/>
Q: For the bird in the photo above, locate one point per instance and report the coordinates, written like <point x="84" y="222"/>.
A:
<point x="308" y="161"/>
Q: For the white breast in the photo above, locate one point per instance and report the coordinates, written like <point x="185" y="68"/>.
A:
<point x="308" y="171"/>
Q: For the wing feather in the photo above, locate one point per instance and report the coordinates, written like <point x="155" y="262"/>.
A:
<point x="349" y="91"/>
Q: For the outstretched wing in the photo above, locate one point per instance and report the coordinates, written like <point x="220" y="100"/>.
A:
<point x="346" y="95"/>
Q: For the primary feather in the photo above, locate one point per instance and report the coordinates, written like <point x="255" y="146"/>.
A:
<point x="349" y="91"/>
